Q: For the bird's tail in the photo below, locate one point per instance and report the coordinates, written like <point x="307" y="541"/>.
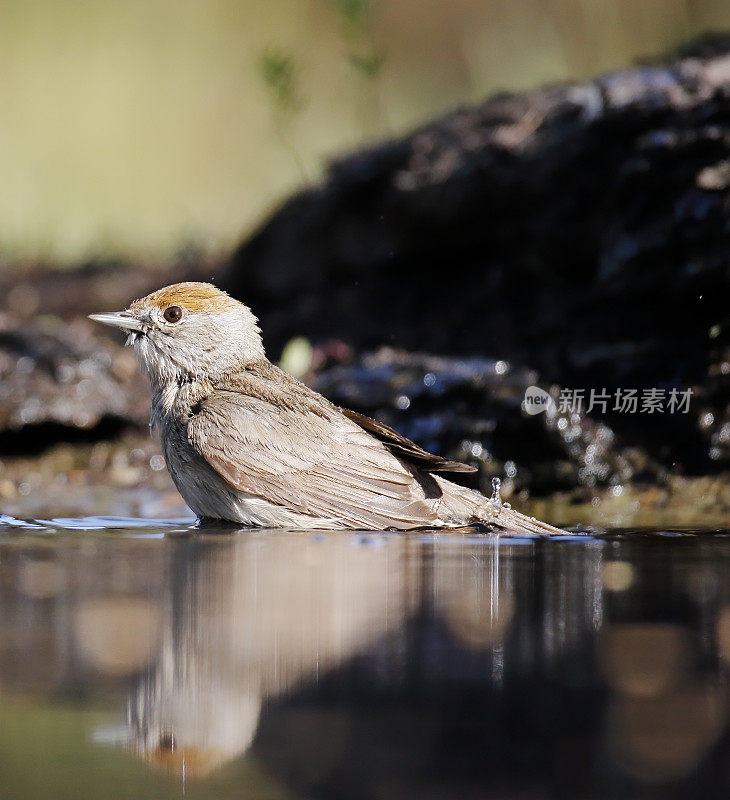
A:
<point x="513" y="521"/>
<point x="462" y="506"/>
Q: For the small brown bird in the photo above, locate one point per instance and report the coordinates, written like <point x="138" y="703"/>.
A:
<point x="246" y="442"/>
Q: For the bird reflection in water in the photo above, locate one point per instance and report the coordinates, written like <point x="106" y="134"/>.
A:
<point x="250" y="618"/>
<point x="256" y="618"/>
<point x="408" y="663"/>
<point x="274" y="614"/>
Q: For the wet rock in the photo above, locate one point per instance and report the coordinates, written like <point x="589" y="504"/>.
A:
<point x="59" y="380"/>
<point x="582" y="230"/>
<point x="473" y="410"/>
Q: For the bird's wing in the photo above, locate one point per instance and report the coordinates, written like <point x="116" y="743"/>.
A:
<point x="314" y="461"/>
<point x="405" y="448"/>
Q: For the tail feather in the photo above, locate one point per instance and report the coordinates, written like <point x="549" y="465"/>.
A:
<point x="515" y="522"/>
<point x="461" y="506"/>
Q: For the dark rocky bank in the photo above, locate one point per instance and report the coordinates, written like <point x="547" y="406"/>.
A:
<point x="572" y="237"/>
<point x="581" y="231"/>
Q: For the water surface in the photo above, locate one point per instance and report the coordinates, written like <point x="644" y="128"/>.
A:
<point x="150" y="660"/>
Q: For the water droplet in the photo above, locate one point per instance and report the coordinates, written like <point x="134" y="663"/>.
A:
<point x="707" y="419"/>
<point x="84" y="388"/>
<point x="403" y="402"/>
<point x="496" y="499"/>
<point x="65" y="373"/>
<point x="81" y="419"/>
<point x="25" y="365"/>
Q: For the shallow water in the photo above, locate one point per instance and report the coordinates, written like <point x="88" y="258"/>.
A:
<point x="144" y="659"/>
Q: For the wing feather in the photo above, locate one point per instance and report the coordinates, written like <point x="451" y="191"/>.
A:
<point x="315" y="462"/>
<point x="401" y="446"/>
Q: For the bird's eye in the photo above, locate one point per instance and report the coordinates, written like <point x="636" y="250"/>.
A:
<point x="173" y="314"/>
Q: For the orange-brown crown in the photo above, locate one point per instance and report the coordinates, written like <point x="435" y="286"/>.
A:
<point x="190" y="295"/>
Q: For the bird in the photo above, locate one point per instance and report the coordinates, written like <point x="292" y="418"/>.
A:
<point x="245" y="442"/>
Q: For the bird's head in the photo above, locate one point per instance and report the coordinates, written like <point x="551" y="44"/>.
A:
<point x="189" y="331"/>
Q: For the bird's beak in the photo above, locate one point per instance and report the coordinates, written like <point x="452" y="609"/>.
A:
<point x="118" y="319"/>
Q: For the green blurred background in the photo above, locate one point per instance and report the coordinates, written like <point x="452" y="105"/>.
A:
<point x="134" y="129"/>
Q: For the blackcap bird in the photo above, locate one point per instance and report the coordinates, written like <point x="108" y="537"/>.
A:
<point x="246" y="442"/>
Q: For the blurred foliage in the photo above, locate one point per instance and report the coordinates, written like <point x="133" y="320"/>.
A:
<point x="359" y="18"/>
<point x="357" y="13"/>
<point x="130" y="128"/>
<point x="369" y="64"/>
<point x="277" y="70"/>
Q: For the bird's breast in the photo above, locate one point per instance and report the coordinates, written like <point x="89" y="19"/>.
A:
<point x="175" y="404"/>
